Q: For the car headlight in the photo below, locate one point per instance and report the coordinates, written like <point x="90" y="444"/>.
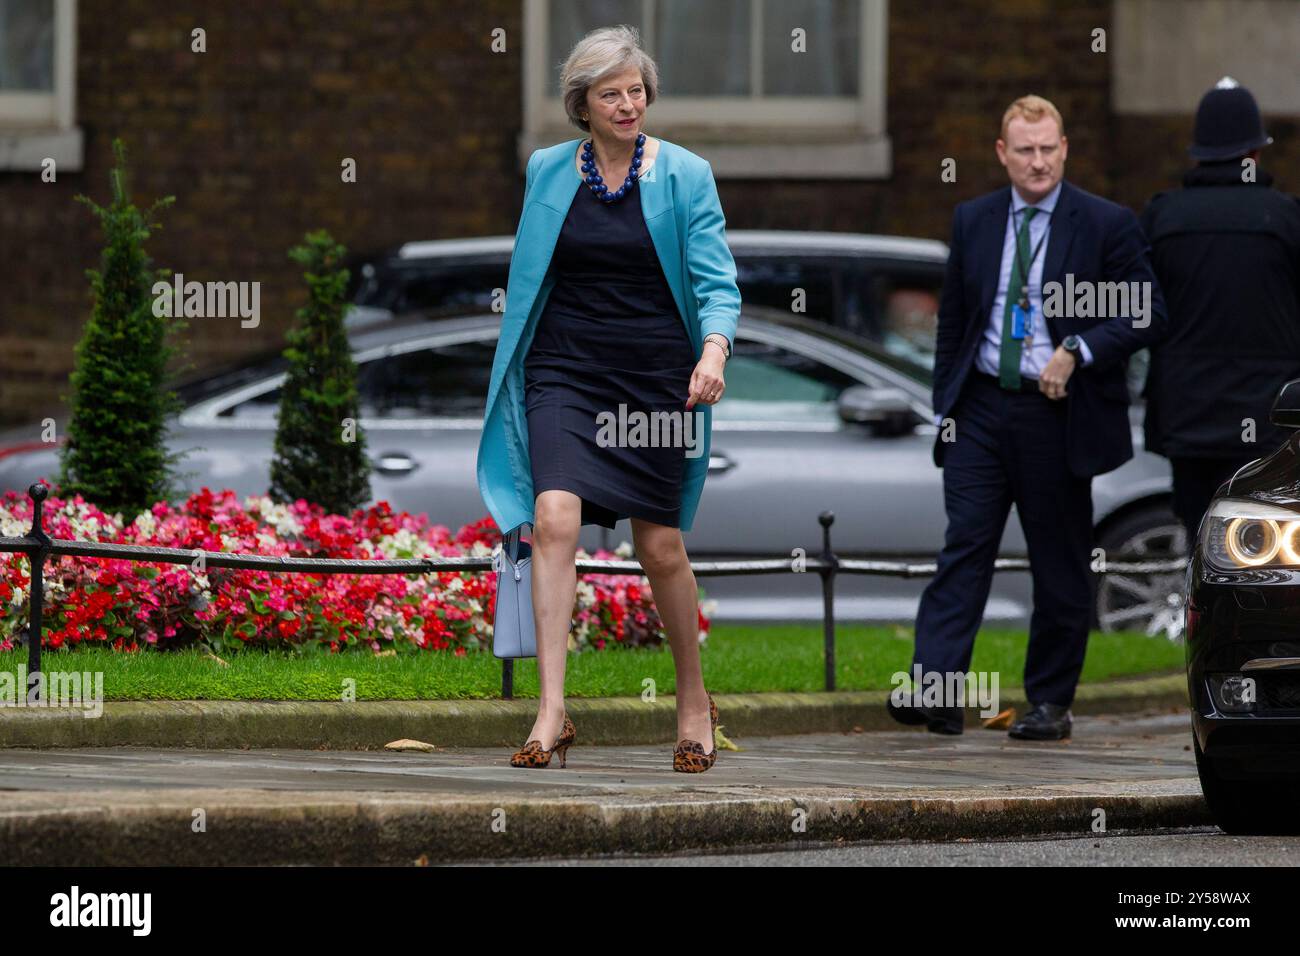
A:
<point x="1238" y="534"/>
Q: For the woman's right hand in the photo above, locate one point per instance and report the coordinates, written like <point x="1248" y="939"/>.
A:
<point x="707" y="384"/>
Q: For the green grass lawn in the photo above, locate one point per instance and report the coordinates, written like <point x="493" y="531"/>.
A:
<point x="736" y="659"/>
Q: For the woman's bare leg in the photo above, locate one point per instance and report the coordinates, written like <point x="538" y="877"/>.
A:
<point x="555" y="541"/>
<point x="662" y="554"/>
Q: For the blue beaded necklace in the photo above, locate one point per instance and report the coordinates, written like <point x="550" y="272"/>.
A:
<point x="593" y="179"/>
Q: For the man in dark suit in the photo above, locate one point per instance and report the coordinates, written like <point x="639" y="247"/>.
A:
<point x="1030" y="403"/>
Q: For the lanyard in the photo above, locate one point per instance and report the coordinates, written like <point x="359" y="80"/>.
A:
<point x="1024" y="269"/>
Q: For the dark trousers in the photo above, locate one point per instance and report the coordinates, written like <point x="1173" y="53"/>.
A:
<point x="1010" y="448"/>
<point x="1195" y="482"/>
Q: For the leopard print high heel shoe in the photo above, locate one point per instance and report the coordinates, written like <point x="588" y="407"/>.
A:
<point x="531" y="754"/>
<point x="689" y="757"/>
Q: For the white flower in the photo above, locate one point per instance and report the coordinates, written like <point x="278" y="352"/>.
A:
<point x="285" y="524"/>
<point x="146" y="524"/>
<point x="278" y="516"/>
<point x="406" y="542"/>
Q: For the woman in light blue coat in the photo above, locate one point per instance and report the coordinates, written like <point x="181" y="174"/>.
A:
<point x="622" y="302"/>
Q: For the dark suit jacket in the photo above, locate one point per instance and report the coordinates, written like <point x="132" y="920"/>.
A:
<point x="1091" y="238"/>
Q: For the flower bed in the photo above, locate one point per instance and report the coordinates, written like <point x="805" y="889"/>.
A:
<point x="137" y="605"/>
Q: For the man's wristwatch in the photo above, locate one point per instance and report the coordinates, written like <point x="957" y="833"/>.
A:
<point x="1074" y="345"/>
<point x="721" y="342"/>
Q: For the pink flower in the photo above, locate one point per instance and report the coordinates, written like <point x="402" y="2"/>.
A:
<point x="133" y="605"/>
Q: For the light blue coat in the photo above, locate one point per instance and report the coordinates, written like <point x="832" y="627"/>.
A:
<point x="679" y="201"/>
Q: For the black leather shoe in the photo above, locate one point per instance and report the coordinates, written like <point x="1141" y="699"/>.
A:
<point x="937" y="720"/>
<point x="1043" y="722"/>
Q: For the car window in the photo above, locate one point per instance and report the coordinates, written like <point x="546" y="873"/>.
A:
<point x="449" y="381"/>
<point x="771" y="383"/>
<point x="904" y="310"/>
<point x="435" y="291"/>
<point x="230" y="376"/>
<point x="892" y="303"/>
<point x="263" y="407"/>
<point x="909" y="322"/>
<point x="772" y="283"/>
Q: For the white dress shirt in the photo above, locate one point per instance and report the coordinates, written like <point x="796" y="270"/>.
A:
<point x="1038" y="348"/>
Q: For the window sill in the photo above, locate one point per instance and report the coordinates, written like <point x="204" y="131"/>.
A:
<point x="756" y="157"/>
<point x="27" y="149"/>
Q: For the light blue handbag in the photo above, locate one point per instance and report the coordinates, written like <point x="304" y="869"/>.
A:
<point x="512" y="630"/>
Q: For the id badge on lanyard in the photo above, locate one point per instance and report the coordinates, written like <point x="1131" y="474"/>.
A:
<point x="1022" y="316"/>
<point x="1022" y="312"/>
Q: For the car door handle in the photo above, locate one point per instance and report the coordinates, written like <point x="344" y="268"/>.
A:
<point x="394" y="463"/>
<point x="719" y="462"/>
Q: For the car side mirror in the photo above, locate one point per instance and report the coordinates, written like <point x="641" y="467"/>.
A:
<point x="887" y="411"/>
<point x="1286" y="407"/>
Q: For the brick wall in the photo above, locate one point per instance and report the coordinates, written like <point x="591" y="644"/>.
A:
<point x="250" y="135"/>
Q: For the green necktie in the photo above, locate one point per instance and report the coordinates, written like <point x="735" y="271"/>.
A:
<point x="1009" y="361"/>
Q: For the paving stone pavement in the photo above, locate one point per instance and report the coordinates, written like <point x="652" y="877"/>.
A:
<point x="1151" y="752"/>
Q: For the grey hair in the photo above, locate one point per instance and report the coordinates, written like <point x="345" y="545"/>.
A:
<point x="601" y="52"/>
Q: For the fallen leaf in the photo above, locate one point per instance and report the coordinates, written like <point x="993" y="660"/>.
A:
<point x="720" y="741"/>
<point x="406" y="744"/>
<point x="1002" y="721"/>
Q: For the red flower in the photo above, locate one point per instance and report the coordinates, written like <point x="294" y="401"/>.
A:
<point x="132" y="605"/>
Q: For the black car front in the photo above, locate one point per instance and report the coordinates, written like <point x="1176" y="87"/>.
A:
<point x="1243" y="641"/>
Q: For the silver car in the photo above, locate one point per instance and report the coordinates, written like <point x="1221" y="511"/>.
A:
<point x="882" y="288"/>
<point x="813" y="419"/>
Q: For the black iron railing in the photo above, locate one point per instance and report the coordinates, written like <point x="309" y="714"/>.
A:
<point x="38" y="546"/>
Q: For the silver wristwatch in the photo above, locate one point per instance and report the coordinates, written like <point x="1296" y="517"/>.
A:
<point x="720" y="340"/>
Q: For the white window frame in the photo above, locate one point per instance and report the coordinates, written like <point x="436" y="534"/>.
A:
<point x="39" y="126"/>
<point x="766" y="138"/>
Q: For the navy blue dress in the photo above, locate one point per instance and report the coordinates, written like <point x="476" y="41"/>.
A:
<point x="609" y="335"/>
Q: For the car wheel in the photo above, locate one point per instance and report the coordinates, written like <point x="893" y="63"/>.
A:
<point x="1254" y="806"/>
<point x="1150" y="603"/>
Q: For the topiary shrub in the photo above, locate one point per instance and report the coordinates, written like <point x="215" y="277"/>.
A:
<point x="116" y="453"/>
<point x="320" y="450"/>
